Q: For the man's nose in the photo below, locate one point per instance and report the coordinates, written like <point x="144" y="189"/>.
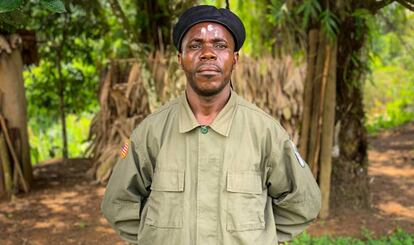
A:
<point x="208" y="53"/>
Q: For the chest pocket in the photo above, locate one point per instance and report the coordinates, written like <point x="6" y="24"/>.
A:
<point x="246" y="201"/>
<point x="165" y="203"/>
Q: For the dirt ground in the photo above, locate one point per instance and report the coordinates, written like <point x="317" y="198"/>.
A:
<point x="63" y="207"/>
<point x="391" y="182"/>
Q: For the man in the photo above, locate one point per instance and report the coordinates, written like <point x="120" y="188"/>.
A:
<point x="209" y="167"/>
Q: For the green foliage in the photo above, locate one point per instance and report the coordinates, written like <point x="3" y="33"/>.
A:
<point x="77" y="51"/>
<point x="309" y="9"/>
<point x="329" y="23"/>
<point x="399" y="237"/>
<point x="389" y="91"/>
<point x="279" y="14"/>
<point x="13" y="13"/>
<point x="9" y="5"/>
<point x="56" y="6"/>
<point x="10" y="21"/>
<point x="259" y="33"/>
<point x="74" y="42"/>
<point x="292" y="20"/>
<point x="46" y="143"/>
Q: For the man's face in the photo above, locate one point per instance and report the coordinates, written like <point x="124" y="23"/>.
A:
<point x="208" y="58"/>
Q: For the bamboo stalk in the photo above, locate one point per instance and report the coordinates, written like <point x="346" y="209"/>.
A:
<point x="321" y="122"/>
<point x="2" y="184"/>
<point x="328" y="134"/>
<point x="307" y="94"/>
<point x="17" y="167"/>
<point x="316" y="102"/>
<point x="5" y="164"/>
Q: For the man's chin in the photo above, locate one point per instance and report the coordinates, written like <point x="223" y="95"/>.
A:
<point x="208" y="92"/>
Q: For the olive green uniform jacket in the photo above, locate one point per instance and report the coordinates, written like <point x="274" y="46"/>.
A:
<point x="237" y="181"/>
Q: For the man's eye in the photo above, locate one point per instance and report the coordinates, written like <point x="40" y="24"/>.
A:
<point x="220" y="45"/>
<point x="194" y="46"/>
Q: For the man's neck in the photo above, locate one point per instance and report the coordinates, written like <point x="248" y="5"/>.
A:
<point x="206" y="109"/>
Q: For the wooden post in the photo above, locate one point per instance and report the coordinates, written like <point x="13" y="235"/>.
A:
<point x="14" y="104"/>
<point x="6" y="165"/>
<point x="315" y="126"/>
<point x="307" y="94"/>
<point x="328" y="119"/>
<point x="17" y="169"/>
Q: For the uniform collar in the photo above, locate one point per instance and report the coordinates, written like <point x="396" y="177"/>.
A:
<point x="221" y="124"/>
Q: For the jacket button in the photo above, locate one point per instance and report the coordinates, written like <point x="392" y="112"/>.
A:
<point x="204" y="129"/>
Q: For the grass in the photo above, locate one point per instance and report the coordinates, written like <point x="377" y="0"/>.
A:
<point x="399" y="237"/>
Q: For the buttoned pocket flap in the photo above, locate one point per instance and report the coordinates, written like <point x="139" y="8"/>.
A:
<point x="168" y="180"/>
<point x="244" y="182"/>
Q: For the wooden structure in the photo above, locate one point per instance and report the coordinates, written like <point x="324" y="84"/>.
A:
<point x="16" y="50"/>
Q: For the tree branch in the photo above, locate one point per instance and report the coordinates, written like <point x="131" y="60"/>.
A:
<point x="407" y="4"/>
<point x="377" y="5"/>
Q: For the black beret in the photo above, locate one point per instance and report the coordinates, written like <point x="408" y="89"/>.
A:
<point x="206" y="13"/>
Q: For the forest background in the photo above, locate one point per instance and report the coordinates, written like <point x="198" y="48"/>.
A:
<point x="93" y="38"/>
<point x="77" y="40"/>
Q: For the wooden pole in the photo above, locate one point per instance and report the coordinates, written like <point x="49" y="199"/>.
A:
<point x="307" y="94"/>
<point x="14" y="106"/>
<point x="17" y="168"/>
<point x="328" y="119"/>
<point x="325" y="77"/>
<point x="6" y="165"/>
<point x="314" y="139"/>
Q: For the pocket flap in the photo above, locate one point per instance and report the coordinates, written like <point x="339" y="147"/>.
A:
<point x="168" y="180"/>
<point x="245" y="182"/>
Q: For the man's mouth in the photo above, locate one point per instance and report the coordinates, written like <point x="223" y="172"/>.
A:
<point x="208" y="69"/>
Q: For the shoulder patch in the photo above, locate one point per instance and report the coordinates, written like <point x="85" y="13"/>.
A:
<point x="298" y="157"/>
<point x="124" y="150"/>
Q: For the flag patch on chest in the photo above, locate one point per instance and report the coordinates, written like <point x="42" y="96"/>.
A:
<point x="124" y="151"/>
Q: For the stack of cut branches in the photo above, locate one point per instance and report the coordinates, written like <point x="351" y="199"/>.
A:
<point x="274" y="85"/>
<point x="123" y="104"/>
<point x="129" y="90"/>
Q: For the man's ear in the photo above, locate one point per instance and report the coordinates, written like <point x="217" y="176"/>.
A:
<point x="235" y="59"/>
<point x="179" y="59"/>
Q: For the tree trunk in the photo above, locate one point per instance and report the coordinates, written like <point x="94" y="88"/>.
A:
<point x="61" y="92"/>
<point x="14" y="105"/>
<point x="350" y="170"/>
<point x="62" y="109"/>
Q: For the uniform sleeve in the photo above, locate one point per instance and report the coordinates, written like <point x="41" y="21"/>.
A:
<point x="126" y="192"/>
<point x="295" y="194"/>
